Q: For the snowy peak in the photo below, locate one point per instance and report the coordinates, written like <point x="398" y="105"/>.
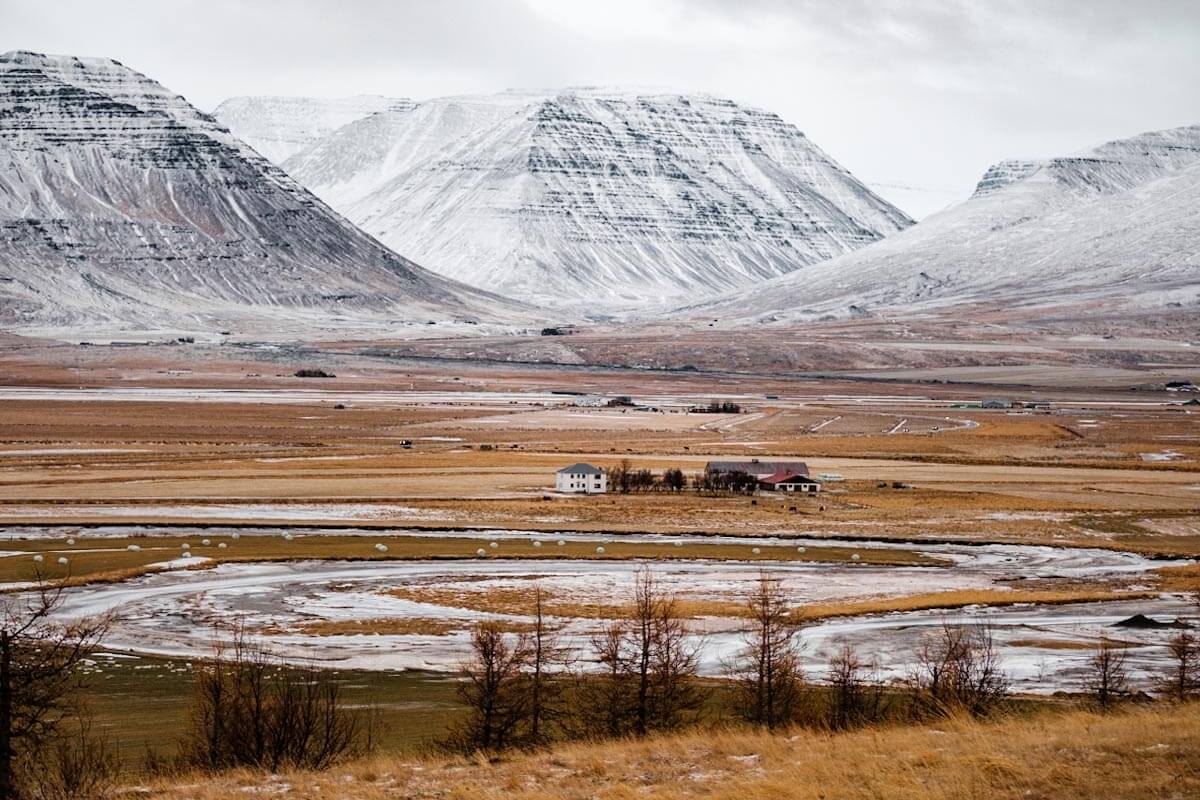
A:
<point x="595" y="198"/>
<point x="279" y="127"/>
<point x="123" y="207"/>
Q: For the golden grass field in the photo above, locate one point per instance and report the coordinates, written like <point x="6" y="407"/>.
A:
<point x="1138" y="754"/>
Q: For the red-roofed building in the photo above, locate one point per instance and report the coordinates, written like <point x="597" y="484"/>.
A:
<point x="792" y="482"/>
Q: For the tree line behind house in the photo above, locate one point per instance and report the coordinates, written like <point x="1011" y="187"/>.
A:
<point x="626" y="479"/>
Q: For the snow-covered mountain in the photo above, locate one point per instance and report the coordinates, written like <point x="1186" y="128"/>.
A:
<point x="595" y="199"/>
<point x="1113" y="227"/>
<point x="280" y="127"/>
<point x="122" y="207"/>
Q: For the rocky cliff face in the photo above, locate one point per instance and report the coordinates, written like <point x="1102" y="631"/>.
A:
<point x="1115" y="227"/>
<point x="280" y="127"/>
<point x="594" y="199"/>
<point x="122" y="207"/>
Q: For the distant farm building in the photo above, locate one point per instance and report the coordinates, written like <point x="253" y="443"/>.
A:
<point x="756" y="468"/>
<point x="996" y="402"/>
<point x="581" y="479"/>
<point x="790" y="482"/>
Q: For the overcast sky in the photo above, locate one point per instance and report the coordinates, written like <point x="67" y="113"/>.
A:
<point x="916" y="97"/>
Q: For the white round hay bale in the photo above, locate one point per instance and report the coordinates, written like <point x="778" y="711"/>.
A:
<point x="801" y="549"/>
<point x="71" y="542"/>
<point x="855" y="557"/>
<point x="678" y="543"/>
<point x="235" y="535"/>
<point x="493" y="545"/>
<point x="63" y="560"/>
<point x="288" y="537"/>
<point x="38" y="558"/>
<point x="381" y="547"/>
<point x="221" y="545"/>
<point x="756" y="550"/>
<point x="600" y="549"/>
<point x="481" y="552"/>
<point x="537" y="544"/>
<point x="133" y="548"/>
<point x="562" y="542"/>
<point x="206" y="542"/>
<point x="185" y="546"/>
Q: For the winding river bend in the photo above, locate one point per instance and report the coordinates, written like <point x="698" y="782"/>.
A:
<point x="1044" y="648"/>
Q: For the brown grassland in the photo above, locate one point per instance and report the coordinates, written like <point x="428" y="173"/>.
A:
<point x="1136" y="754"/>
<point x="1108" y="468"/>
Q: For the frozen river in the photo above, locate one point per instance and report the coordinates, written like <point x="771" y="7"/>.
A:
<point x="1043" y="647"/>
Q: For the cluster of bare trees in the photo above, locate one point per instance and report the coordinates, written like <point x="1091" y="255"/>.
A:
<point x="625" y="479"/>
<point x="1106" y="678"/>
<point x="252" y="710"/>
<point x="520" y="689"/>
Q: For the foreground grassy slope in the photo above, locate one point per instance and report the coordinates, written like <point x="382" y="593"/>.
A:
<point x="1146" y="753"/>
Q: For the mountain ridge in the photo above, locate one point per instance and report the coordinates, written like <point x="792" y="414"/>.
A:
<point x="125" y="208"/>
<point x="1114" y="227"/>
<point x="610" y="199"/>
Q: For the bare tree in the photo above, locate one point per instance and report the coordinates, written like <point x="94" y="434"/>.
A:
<point x="958" y="670"/>
<point x="855" y="694"/>
<point x="491" y="691"/>
<point x="1182" y="679"/>
<point x="1107" y="680"/>
<point x="649" y="671"/>
<point x="605" y="699"/>
<point x="545" y="654"/>
<point x="663" y="662"/>
<point x="39" y="660"/>
<point x="768" y="673"/>
<point x="252" y="709"/>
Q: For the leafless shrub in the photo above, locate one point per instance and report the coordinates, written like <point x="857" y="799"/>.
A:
<point x="1107" y="680"/>
<point x="958" y="671"/>
<point x="855" y="693"/>
<point x="252" y="710"/>
<point x="767" y="673"/>
<point x="75" y="766"/>
<point x="39" y="661"/>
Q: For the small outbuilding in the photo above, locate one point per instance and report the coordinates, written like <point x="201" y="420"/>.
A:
<point x="581" y="478"/>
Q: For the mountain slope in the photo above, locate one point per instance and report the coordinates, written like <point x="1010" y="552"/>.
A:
<point x="279" y="127"/>
<point x="124" y="208"/>
<point x="1115" y="227"/>
<point x="595" y="199"/>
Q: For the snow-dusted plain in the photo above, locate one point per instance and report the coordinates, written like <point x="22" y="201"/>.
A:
<point x="594" y="199"/>
<point x="123" y="208"/>
<point x="1115" y="227"/>
<point x="174" y="613"/>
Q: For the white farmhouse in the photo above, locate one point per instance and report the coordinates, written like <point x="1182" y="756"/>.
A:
<point x="581" y="479"/>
